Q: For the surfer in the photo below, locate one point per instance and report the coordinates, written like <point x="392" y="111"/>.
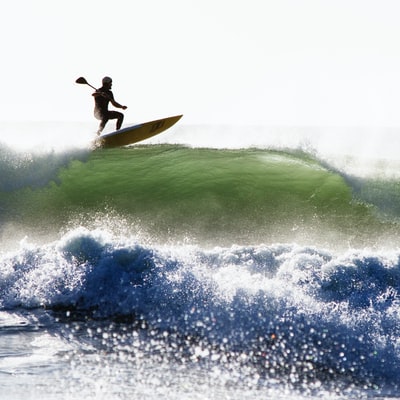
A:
<point x="102" y="97"/>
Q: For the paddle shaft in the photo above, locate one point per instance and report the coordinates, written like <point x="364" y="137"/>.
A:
<point x="85" y="82"/>
<point x="91" y="86"/>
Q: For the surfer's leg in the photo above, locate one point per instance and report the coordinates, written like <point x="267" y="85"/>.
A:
<point x="103" y="120"/>
<point x="118" y="116"/>
<point x="120" y="120"/>
<point x="102" y="125"/>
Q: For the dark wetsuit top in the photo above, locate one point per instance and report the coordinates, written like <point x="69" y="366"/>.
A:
<point x="101" y="103"/>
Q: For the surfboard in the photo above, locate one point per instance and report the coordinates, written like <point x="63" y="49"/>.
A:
<point x="135" y="133"/>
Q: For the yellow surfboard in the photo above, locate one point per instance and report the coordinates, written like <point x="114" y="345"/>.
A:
<point x="135" y="133"/>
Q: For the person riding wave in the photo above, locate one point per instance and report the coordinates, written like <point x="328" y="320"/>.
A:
<point x="102" y="97"/>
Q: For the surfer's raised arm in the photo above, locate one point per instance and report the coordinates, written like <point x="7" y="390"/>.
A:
<point x="110" y="98"/>
<point x="98" y="93"/>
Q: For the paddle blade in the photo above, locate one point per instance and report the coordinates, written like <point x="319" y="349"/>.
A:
<point x="82" y="80"/>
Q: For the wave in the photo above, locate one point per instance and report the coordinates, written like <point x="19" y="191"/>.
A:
<point x="205" y="195"/>
<point x="23" y="169"/>
<point x="285" y="309"/>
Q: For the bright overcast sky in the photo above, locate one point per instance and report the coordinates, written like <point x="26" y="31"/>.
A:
<point x="270" y="62"/>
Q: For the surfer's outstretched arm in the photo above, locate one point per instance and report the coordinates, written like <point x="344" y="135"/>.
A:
<point x="115" y="104"/>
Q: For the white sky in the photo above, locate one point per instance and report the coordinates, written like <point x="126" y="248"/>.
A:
<point x="270" y="62"/>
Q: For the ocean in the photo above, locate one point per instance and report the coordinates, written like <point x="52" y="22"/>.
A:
<point x="210" y="262"/>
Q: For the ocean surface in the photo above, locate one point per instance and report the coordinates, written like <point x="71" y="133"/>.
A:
<point x="211" y="262"/>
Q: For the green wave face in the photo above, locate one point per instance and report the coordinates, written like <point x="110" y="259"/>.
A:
<point x="204" y="195"/>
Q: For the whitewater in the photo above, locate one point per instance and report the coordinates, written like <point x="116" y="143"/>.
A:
<point x="210" y="262"/>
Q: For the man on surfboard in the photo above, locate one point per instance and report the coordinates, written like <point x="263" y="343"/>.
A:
<point x="102" y="97"/>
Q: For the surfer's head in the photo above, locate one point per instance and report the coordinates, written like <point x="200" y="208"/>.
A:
<point x="107" y="81"/>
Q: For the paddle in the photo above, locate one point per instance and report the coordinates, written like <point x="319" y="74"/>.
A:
<point x="85" y="82"/>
